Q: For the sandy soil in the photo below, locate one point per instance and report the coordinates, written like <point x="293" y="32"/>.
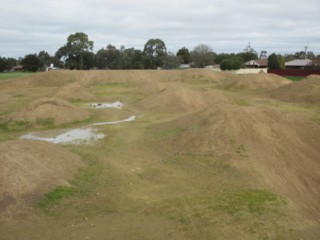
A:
<point x="28" y="169"/>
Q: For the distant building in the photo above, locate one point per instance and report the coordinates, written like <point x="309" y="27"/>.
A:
<point x="259" y="63"/>
<point x="17" y="68"/>
<point x="51" y="68"/>
<point x="299" y="64"/>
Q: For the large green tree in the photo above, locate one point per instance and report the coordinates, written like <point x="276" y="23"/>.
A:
<point x="109" y="58"/>
<point x="184" y="54"/>
<point x="44" y="60"/>
<point x="75" y="50"/>
<point x="30" y="62"/>
<point x="155" y="51"/>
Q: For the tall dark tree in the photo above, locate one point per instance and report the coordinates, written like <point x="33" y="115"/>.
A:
<point x="113" y="57"/>
<point x="108" y="58"/>
<point x="44" y="60"/>
<point x="155" y="51"/>
<point x="273" y="61"/>
<point x="101" y="59"/>
<point x="184" y="54"/>
<point x="74" y="50"/>
<point x="3" y="64"/>
<point x="30" y="62"/>
<point x="202" y="55"/>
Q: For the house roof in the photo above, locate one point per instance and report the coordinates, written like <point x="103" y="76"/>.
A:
<point x="299" y="63"/>
<point x="258" y="62"/>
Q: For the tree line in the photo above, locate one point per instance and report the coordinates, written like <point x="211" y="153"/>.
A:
<point x="78" y="53"/>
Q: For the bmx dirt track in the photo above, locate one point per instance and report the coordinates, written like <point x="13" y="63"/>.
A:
<point x="199" y="137"/>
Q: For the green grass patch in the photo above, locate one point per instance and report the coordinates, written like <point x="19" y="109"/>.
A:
<point x="14" y="125"/>
<point x="294" y="78"/>
<point x="56" y="195"/>
<point x="45" y="122"/>
<point x="241" y="150"/>
<point x="5" y="76"/>
<point x="248" y="200"/>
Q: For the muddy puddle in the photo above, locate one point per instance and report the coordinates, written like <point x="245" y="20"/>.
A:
<point x="116" y="104"/>
<point x="73" y="136"/>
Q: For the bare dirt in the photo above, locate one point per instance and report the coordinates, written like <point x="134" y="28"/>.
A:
<point x="261" y="81"/>
<point x="304" y="91"/>
<point x="209" y="156"/>
<point x="28" y="169"/>
<point x="54" y="110"/>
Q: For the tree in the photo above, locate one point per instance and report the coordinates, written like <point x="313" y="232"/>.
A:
<point x="184" y="54"/>
<point x="30" y="62"/>
<point x="74" y="50"/>
<point x="220" y="57"/>
<point x="172" y="61"/>
<point x="3" y="64"/>
<point x="44" y="60"/>
<point x="263" y="54"/>
<point x="273" y="62"/>
<point x="282" y="62"/>
<point x="155" y="51"/>
<point x="101" y="59"/>
<point x="113" y="57"/>
<point x="248" y="54"/>
<point x="233" y="63"/>
<point x="202" y="55"/>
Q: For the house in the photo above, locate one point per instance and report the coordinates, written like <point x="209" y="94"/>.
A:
<point x="299" y="64"/>
<point x="259" y="63"/>
<point x="17" y="68"/>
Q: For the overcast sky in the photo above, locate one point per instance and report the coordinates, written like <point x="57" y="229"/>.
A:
<point x="282" y="26"/>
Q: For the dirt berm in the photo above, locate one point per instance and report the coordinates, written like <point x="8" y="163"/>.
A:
<point x="304" y="91"/>
<point x="52" y="111"/>
<point x="282" y="147"/>
<point x="261" y="81"/>
<point x="28" y="169"/>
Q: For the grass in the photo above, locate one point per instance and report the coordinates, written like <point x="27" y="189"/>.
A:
<point x="242" y="102"/>
<point x="294" y="78"/>
<point x="6" y="76"/>
<point x="168" y="132"/>
<point x="253" y="201"/>
<point x="55" y="195"/>
<point x="45" y="122"/>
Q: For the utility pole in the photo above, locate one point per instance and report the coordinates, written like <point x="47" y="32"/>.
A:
<point x="305" y="52"/>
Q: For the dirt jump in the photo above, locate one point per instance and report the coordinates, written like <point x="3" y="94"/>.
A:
<point x="185" y="154"/>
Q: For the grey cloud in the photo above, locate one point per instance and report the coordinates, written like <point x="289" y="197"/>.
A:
<point x="226" y="25"/>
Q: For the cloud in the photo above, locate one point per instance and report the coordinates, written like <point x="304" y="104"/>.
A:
<point x="226" y="25"/>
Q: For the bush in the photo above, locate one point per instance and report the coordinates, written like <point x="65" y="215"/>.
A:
<point x="230" y="64"/>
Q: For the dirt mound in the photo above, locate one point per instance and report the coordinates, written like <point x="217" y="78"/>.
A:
<point x="43" y="79"/>
<point x="261" y="81"/>
<point x="198" y="75"/>
<point x="28" y="169"/>
<point x="76" y="91"/>
<point x="173" y="98"/>
<point x="304" y="91"/>
<point x="283" y="149"/>
<point x="50" y="111"/>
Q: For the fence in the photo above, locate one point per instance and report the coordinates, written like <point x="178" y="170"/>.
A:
<point x="294" y="72"/>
